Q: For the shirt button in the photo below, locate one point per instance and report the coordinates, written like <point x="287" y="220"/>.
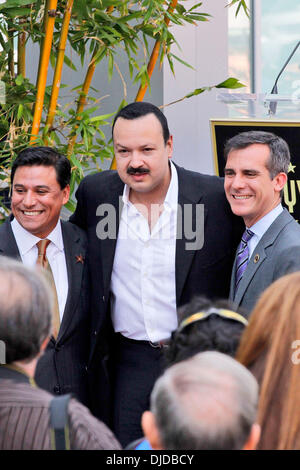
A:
<point x="95" y="332"/>
<point x="103" y="298"/>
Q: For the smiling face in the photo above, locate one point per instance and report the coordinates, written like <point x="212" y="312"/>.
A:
<point x="142" y="156"/>
<point x="37" y="199"/>
<point x="249" y="188"/>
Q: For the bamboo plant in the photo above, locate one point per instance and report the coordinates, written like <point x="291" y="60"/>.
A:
<point x="93" y="30"/>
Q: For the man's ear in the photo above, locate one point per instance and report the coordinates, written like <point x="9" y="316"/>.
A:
<point x="280" y="181"/>
<point x="169" y="145"/>
<point x="44" y="344"/>
<point x="66" y="194"/>
<point x="150" y="430"/>
<point x="253" y="438"/>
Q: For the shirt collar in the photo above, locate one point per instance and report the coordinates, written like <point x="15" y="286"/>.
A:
<point x="26" y="240"/>
<point x="15" y="373"/>
<point x="171" y="198"/>
<point x="262" y="225"/>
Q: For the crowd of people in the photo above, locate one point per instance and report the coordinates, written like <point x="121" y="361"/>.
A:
<point x="164" y="313"/>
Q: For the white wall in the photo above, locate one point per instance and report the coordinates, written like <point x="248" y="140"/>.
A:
<point x="204" y="47"/>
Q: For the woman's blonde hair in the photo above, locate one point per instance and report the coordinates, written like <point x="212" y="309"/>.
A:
<point x="271" y="341"/>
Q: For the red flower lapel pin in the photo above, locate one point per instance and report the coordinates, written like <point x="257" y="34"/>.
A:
<point x="79" y="258"/>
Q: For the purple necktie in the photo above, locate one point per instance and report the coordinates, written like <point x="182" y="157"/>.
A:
<point x="242" y="257"/>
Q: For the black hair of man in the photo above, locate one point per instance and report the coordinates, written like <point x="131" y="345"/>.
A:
<point x="213" y="333"/>
<point x="44" y="156"/>
<point x="139" y="109"/>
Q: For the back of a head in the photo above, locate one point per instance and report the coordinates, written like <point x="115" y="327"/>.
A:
<point x="207" y="402"/>
<point x="25" y="311"/>
<point x="268" y="348"/>
<point x="205" y="326"/>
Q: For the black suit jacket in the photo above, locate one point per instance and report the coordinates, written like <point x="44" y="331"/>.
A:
<point x="62" y="368"/>
<point x="198" y="272"/>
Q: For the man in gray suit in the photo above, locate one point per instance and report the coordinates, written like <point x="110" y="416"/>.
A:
<point x="255" y="173"/>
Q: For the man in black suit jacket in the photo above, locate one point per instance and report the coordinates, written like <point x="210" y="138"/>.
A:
<point x="40" y="186"/>
<point x="196" y="260"/>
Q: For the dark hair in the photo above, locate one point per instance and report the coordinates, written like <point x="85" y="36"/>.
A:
<point x="212" y="333"/>
<point x="279" y="150"/>
<point x="44" y="156"/>
<point x="25" y="310"/>
<point x="138" y="109"/>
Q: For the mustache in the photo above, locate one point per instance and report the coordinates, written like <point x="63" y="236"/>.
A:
<point x="137" y="171"/>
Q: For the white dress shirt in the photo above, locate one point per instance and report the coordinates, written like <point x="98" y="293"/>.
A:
<point x="55" y="253"/>
<point x="143" y="278"/>
<point x="260" y="227"/>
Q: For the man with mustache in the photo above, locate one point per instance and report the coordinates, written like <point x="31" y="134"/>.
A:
<point x="154" y="244"/>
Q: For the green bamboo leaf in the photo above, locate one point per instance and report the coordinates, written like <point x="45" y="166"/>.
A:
<point x="70" y="206"/>
<point x="80" y="9"/>
<point x="149" y="12"/>
<point x="182" y="61"/>
<point x="230" y="83"/>
<point x="19" y="79"/>
<point x="69" y="63"/>
<point x="15" y="4"/>
<point x="75" y="162"/>
<point x="132" y="16"/>
<point x="180" y="8"/>
<point x="196" y="92"/>
<point x="20" y="111"/>
<point x="196" y="6"/>
<point x="110" y="66"/>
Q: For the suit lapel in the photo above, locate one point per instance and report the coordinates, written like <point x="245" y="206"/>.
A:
<point x="73" y="249"/>
<point x="8" y="245"/>
<point x="260" y="254"/>
<point x="256" y="260"/>
<point x="108" y="245"/>
<point x="188" y="194"/>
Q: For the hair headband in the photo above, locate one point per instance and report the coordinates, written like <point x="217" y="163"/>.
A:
<point x="222" y="312"/>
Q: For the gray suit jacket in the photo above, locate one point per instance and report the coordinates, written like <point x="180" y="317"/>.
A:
<point x="276" y="254"/>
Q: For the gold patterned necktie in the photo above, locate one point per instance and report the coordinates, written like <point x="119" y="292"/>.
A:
<point x="43" y="262"/>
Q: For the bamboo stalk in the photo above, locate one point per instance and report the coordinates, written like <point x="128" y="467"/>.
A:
<point x="11" y="53"/>
<point x="151" y="65"/>
<point x="42" y="78"/>
<point x="45" y="20"/>
<point x="59" y="64"/>
<point x="82" y="100"/>
<point x="154" y="56"/>
<point x="22" y="51"/>
<point x="84" y="91"/>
